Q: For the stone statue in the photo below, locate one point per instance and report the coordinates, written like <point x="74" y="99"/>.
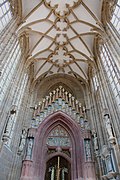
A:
<point x="87" y="125"/>
<point x="108" y="126"/>
<point x="29" y="148"/>
<point x="22" y="141"/>
<point x="88" y="150"/>
<point x="10" y="124"/>
<point x="95" y="140"/>
<point x="82" y="123"/>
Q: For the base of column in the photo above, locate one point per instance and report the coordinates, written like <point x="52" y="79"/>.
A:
<point x="89" y="171"/>
<point x="110" y="175"/>
<point x="27" y="170"/>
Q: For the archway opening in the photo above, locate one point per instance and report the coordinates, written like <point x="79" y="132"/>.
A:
<point x="58" y="168"/>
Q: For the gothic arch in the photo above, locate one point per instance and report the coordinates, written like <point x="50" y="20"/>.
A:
<point x="70" y="84"/>
<point x="35" y="167"/>
<point x="40" y="148"/>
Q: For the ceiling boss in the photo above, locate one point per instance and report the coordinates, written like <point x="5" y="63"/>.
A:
<point x="61" y="57"/>
<point x="61" y="7"/>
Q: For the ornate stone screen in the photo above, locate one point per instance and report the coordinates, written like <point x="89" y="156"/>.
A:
<point x="58" y="137"/>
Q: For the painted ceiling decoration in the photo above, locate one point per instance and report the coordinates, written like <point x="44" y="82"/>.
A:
<point x="61" y="35"/>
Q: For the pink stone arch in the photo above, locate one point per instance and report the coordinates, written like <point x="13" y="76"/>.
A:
<point x="59" y="154"/>
<point x="40" y="148"/>
<point x="80" y="169"/>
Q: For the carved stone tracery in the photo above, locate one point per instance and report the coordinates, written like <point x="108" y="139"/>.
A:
<point x="61" y="7"/>
<point x="60" y="100"/>
<point x="58" y="137"/>
<point x="61" y="57"/>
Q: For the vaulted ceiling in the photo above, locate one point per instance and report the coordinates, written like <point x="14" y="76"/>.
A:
<point x="61" y="35"/>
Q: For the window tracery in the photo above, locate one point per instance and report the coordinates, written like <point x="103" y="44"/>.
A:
<point x="116" y="17"/>
<point x="5" y="13"/>
<point x="113" y="73"/>
<point x="9" y="68"/>
<point x="58" y="137"/>
<point x="9" y="130"/>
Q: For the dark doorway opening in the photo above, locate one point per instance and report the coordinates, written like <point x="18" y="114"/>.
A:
<point x="58" y="168"/>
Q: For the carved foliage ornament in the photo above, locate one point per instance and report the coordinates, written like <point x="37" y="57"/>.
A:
<point x="111" y="8"/>
<point x="61" y="7"/>
<point x="108" y="9"/>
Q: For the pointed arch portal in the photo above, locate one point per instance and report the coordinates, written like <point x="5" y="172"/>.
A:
<point x="58" y="147"/>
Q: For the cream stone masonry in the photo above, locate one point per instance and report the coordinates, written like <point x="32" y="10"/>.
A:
<point x="61" y="8"/>
<point x="59" y="30"/>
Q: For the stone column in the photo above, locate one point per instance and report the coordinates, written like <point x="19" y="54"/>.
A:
<point x="89" y="165"/>
<point x="27" y="170"/>
<point x="27" y="167"/>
